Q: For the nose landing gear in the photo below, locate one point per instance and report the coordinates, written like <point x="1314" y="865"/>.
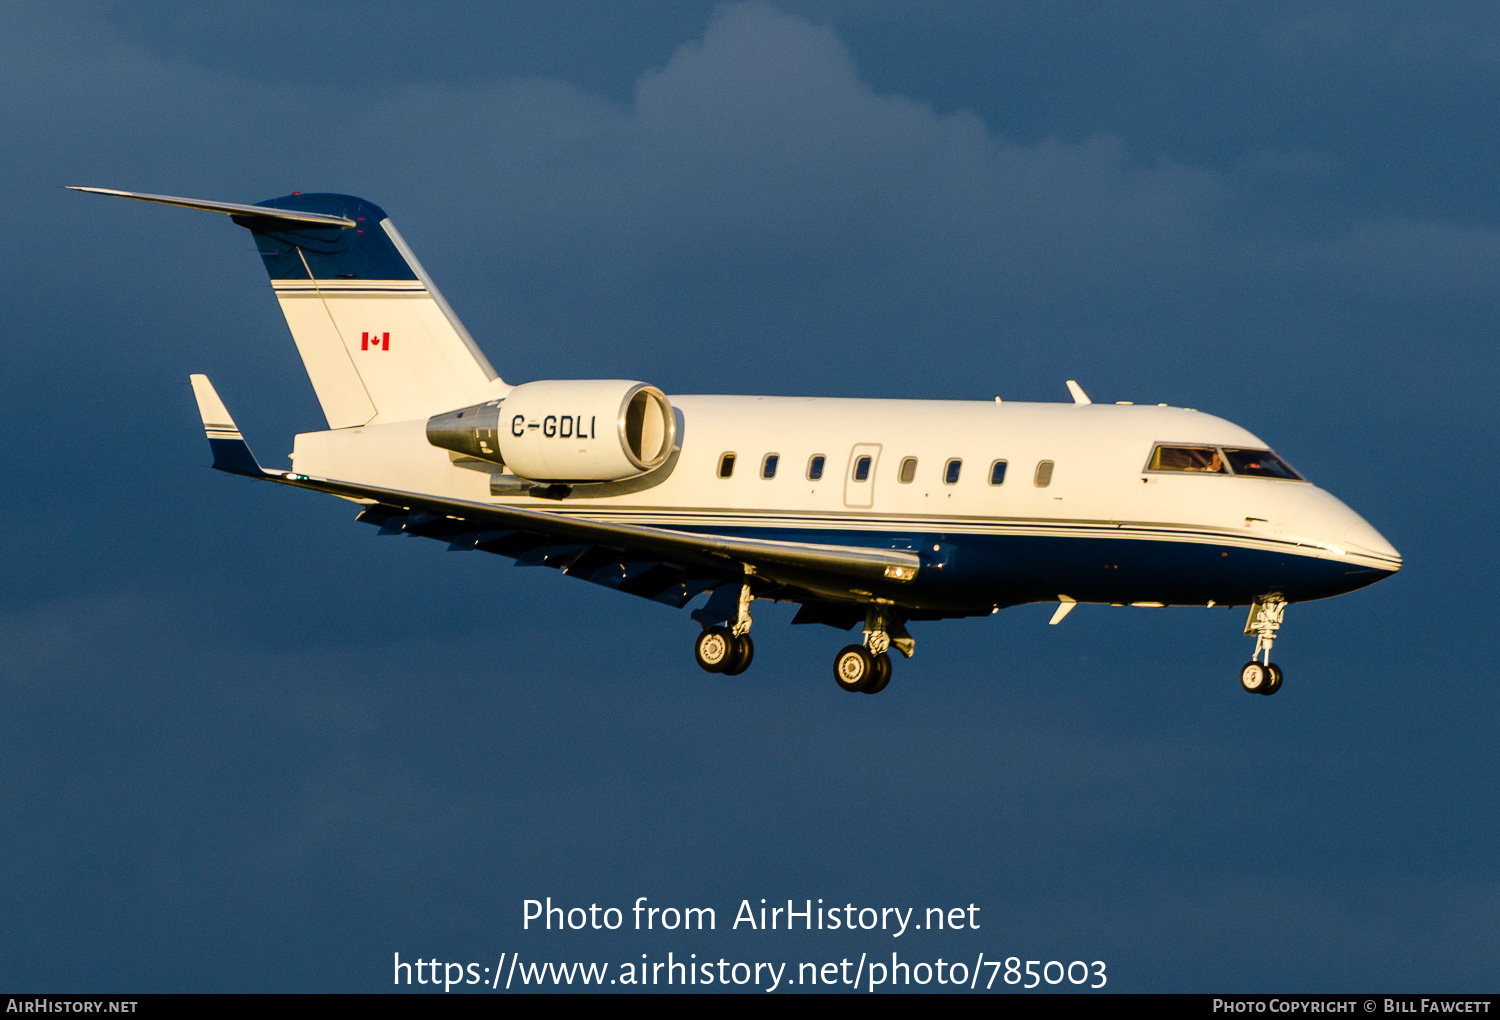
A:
<point x="1260" y="675"/>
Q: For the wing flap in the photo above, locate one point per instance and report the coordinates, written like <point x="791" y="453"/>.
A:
<point x="725" y="553"/>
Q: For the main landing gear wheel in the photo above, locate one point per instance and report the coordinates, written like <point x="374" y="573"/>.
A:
<point x="854" y="668"/>
<point x="715" y="649"/>
<point x="744" y="652"/>
<point x="719" y="651"/>
<point x="882" y="674"/>
<point x="1275" y="680"/>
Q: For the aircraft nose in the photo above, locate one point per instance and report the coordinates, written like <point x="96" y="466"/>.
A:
<point x="1360" y="537"/>
<point x="1327" y="521"/>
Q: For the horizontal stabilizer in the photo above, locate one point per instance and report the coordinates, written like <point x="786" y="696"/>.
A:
<point x="228" y="208"/>
<point x="231" y="452"/>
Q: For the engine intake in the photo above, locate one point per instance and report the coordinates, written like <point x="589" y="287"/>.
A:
<point x="584" y="430"/>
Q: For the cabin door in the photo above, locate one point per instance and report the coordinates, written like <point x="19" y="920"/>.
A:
<point x="859" y="476"/>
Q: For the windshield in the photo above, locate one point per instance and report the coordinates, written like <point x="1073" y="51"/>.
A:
<point x="1187" y="458"/>
<point x="1262" y="463"/>
<point x="1221" y="460"/>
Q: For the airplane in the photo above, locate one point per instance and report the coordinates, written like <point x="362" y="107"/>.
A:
<point x="872" y="512"/>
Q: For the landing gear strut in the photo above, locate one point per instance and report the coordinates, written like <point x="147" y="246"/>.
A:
<point x="1260" y="675"/>
<point x="720" y="648"/>
<point x="866" y="668"/>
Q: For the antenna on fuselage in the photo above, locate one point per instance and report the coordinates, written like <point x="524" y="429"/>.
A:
<point x="1079" y="397"/>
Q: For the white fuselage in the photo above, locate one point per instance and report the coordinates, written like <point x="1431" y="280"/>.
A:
<point x="1098" y="487"/>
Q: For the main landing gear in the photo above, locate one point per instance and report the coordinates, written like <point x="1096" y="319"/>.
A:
<point x="727" y="648"/>
<point x="866" y="668"/>
<point x="725" y="645"/>
<point x="1260" y="675"/>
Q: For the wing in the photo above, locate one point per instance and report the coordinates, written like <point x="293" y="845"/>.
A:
<point x="662" y="564"/>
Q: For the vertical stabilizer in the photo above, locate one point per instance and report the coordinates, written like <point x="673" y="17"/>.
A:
<point x="379" y="342"/>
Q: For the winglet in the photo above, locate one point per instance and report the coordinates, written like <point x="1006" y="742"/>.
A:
<point x="231" y="452"/>
<point x="1079" y="397"/>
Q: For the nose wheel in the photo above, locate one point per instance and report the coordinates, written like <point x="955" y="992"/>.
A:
<point x="1260" y="678"/>
<point x="1275" y="678"/>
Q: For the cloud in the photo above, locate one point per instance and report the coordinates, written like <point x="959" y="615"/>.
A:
<point x="762" y="134"/>
<point x="757" y="147"/>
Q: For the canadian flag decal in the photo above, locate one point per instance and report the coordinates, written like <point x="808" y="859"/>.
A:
<point x="374" y="341"/>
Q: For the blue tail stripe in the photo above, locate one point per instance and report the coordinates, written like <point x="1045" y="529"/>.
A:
<point x="363" y="252"/>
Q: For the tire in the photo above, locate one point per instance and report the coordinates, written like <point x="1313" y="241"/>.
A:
<point x="1275" y="680"/>
<point x="744" y="654"/>
<point x="882" y="674"/>
<point x="715" y="649"/>
<point x="1254" y="677"/>
<point x="854" y="668"/>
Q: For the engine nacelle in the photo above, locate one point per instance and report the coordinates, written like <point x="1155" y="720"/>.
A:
<point x="583" y="430"/>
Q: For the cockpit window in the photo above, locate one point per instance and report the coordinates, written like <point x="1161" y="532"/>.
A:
<point x="1202" y="459"/>
<point x="1216" y="460"/>
<point x="1259" y="463"/>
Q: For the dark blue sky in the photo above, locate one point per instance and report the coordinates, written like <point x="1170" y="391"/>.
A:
<point x="247" y="745"/>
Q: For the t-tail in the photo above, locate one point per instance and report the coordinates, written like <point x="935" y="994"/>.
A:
<point x="378" y="340"/>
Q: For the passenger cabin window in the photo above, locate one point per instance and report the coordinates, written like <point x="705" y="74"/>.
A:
<point x="1202" y="459"/>
<point x="908" y="470"/>
<point x="862" y="469"/>
<point x="815" y="467"/>
<point x="768" y="466"/>
<point x="997" y="473"/>
<point x="726" y="465"/>
<point x="1260" y="464"/>
<point x="950" y="471"/>
<point x="1043" y="474"/>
